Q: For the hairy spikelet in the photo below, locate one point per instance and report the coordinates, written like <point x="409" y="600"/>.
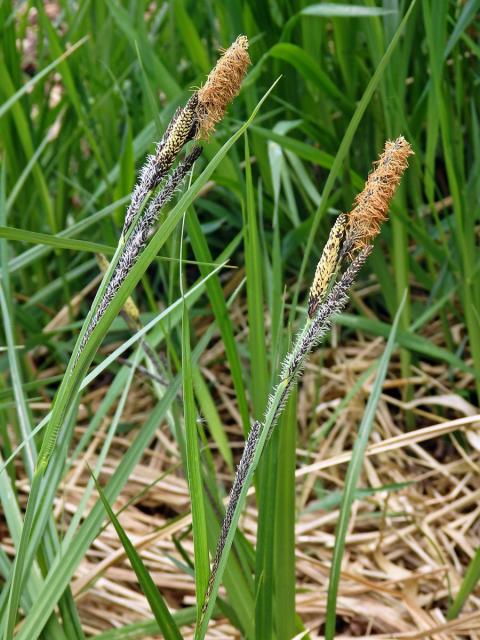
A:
<point x="315" y="330"/>
<point x="137" y="240"/>
<point x="222" y="85"/>
<point x="242" y="470"/>
<point x="129" y="307"/>
<point x="327" y="264"/>
<point x="371" y="205"/>
<point x="334" y="303"/>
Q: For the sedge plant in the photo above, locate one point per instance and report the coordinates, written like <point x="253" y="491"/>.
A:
<point x="348" y="246"/>
<point x="156" y="186"/>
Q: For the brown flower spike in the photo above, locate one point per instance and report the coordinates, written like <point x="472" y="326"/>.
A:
<point x="355" y="231"/>
<point x="371" y="206"/>
<point x="222" y="85"/>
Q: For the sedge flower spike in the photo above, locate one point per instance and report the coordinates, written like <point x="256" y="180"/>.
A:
<point x="355" y="231"/>
<point x="196" y="120"/>
<point x="371" y="205"/>
<point x="222" y="85"/>
<point x="351" y="237"/>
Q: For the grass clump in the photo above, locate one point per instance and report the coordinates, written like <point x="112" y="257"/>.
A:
<point x="363" y="515"/>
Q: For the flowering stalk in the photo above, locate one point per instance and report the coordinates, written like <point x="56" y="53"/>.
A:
<point x="312" y="333"/>
<point x="196" y="119"/>
<point x="351" y="236"/>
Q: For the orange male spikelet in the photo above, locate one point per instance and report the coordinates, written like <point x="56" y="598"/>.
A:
<point x="222" y="85"/>
<point x="371" y="205"/>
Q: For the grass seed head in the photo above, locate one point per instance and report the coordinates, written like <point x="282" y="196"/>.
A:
<point x="222" y="85"/>
<point x="371" y="205"/>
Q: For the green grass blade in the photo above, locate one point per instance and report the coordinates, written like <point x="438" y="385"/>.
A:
<point x="35" y="253"/>
<point x="194" y="472"/>
<point x="264" y="550"/>
<point x="255" y="300"/>
<point x="191" y="39"/>
<point x="472" y="576"/>
<point x="157" y="604"/>
<point x="284" y="553"/>
<point x="308" y="67"/>
<point x="145" y="628"/>
<point x="210" y="414"/>
<point x="21" y="564"/>
<point x="469" y="11"/>
<point x="254" y="268"/>
<point x="70" y="84"/>
<point x="136" y="36"/>
<point x="34" y="237"/>
<point x="22" y="409"/>
<point x="216" y="297"/>
<point x="351" y="480"/>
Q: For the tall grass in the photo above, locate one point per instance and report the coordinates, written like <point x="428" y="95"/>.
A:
<point x="84" y="93"/>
